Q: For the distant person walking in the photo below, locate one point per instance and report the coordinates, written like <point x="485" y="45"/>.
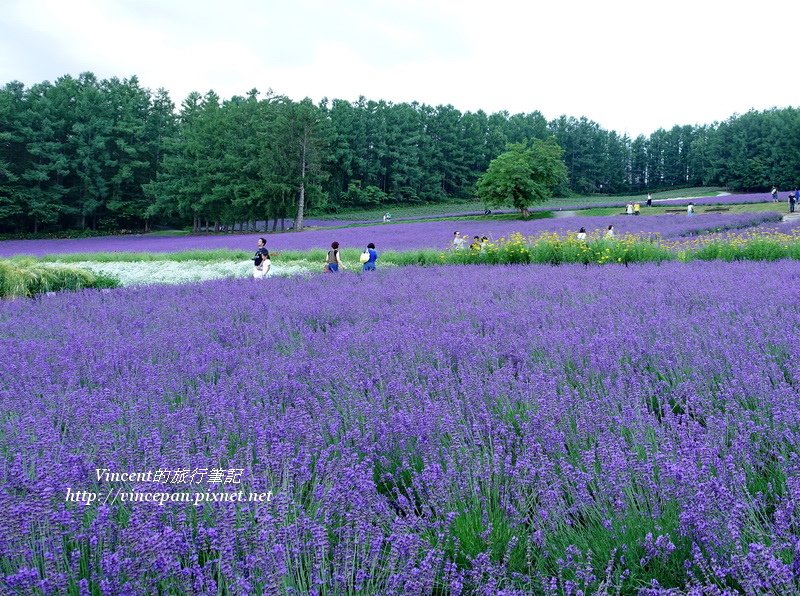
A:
<point x="261" y="260"/>
<point x="369" y="265"/>
<point x="649" y="200"/>
<point x="792" y="201"/>
<point x="774" y="194"/>
<point x="333" y="261"/>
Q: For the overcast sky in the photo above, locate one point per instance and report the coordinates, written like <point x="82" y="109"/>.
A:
<point x="631" y="66"/>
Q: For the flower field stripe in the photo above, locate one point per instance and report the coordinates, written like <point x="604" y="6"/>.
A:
<point x="407" y="236"/>
<point x="176" y="272"/>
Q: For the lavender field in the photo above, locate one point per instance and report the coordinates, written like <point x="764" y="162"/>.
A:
<point x="406" y="236"/>
<point x="458" y="430"/>
<point x="781" y="231"/>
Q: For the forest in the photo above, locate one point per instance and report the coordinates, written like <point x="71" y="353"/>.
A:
<point x="90" y="154"/>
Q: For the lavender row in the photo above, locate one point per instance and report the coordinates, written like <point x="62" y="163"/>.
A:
<point x="460" y="430"/>
<point x="784" y="232"/>
<point x="406" y="236"/>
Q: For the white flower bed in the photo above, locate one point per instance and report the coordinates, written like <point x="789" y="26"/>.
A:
<point x="178" y="272"/>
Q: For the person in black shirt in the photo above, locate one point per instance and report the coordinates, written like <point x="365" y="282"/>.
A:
<point x="261" y="260"/>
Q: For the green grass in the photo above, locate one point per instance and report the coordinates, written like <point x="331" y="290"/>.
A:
<point x="547" y="249"/>
<point x="438" y="209"/>
<point x="757" y="249"/>
<point x="589" y="212"/>
<point x="28" y="278"/>
<point x="169" y="233"/>
<point x="681" y="209"/>
<point x="220" y="254"/>
<point x="401" y="211"/>
<point x="686" y="193"/>
<point x="552" y="249"/>
<point x="493" y="216"/>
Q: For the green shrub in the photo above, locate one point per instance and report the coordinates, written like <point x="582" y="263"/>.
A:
<point x="212" y="255"/>
<point x="551" y="249"/>
<point x="28" y="278"/>
<point x="753" y="249"/>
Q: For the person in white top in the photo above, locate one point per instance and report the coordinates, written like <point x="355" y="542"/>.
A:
<point x="582" y="234"/>
<point x="629" y="209"/>
<point x="690" y="210"/>
<point x="610" y="231"/>
<point x="261" y="260"/>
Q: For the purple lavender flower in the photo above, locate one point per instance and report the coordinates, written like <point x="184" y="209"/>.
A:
<point x="453" y="428"/>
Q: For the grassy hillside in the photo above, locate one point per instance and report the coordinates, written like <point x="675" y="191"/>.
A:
<point x="438" y="209"/>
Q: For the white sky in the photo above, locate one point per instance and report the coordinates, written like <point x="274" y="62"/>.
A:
<point x="631" y="66"/>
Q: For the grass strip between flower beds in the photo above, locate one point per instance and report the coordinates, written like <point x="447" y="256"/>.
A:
<point x="24" y="277"/>
<point x="544" y="249"/>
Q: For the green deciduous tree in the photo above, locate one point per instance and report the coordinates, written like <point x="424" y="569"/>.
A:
<point x="523" y="175"/>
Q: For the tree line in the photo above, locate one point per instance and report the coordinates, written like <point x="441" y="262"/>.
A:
<point x="84" y="153"/>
